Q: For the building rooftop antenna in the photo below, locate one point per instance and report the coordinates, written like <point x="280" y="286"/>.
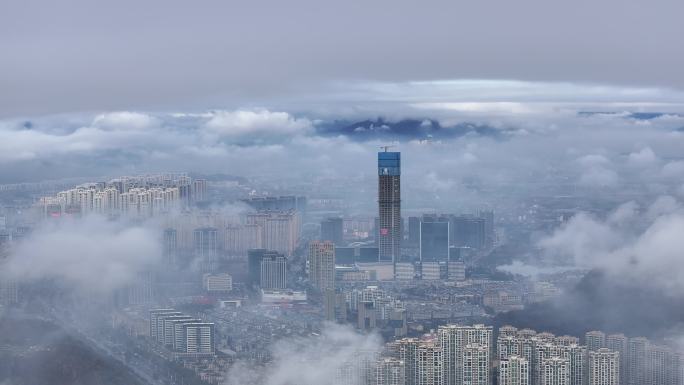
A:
<point x="387" y="147"/>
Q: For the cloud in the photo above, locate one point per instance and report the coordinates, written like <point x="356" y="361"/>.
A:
<point x="643" y="248"/>
<point x="645" y="156"/>
<point x="91" y="254"/>
<point x="124" y="120"/>
<point x="311" y="360"/>
<point x="256" y="126"/>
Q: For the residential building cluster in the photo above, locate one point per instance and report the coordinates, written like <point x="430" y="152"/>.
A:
<point x="132" y="197"/>
<point x="181" y="333"/>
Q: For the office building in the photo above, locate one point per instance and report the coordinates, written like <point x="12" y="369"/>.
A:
<point x="321" y="263"/>
<point x="434" y="239"/>
<point x="273" y="272"/>
<point x="332" y="229"/>
<point x="389" y="206"/>
<point x="489" y="235"/>
<point x="467" y="231"/>
<point x="414" y="231"/>
<point x="218" y="283"/>
<point x="254" y="265"/>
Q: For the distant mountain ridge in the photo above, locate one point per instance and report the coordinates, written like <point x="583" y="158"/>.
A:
<point x="404" y="129"/>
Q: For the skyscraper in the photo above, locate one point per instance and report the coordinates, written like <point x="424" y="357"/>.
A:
<point x="322" y="264"/>
<point x="389" y="205"/>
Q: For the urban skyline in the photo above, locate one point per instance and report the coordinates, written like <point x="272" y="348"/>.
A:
<point x="343" y="193"/>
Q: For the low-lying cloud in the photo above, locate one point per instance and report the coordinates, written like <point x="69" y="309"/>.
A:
<point x="91" y="254"/>
<point x="312" y="360"/>
<point x="634" y="243"/>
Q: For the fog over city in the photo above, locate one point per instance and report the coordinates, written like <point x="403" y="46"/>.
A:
<point x="304" y="193"/>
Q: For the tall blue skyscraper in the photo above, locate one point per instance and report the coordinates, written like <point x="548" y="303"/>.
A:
<point x="389" y="205"/>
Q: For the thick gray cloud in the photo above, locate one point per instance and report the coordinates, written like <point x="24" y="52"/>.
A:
<point x="82" y="56"/>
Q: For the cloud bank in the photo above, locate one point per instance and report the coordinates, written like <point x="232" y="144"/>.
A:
<point x="634" y="243"/>
<point x="91" y="255"/>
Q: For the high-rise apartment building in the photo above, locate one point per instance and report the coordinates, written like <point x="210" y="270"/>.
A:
<point x="389" y="205"/>
<point x="389" y="371"/>
<point x="555" y="371"/>
<point x="453" y="340"/>
<point x="618" y="343"/>
<point x="604" y="367"/>
<point x="429" y="364"/>
<point x="280" y="230"/>
<point x="595" y="340"/>
<point x="170" y="247"/>
<point x="197" y="338"/>
<point x="514" y="370"/>
<point x="321" y="262"/>
<point x="637" y="354"/>
<point x="205" y="247"/>
<point x="476" y="364"/>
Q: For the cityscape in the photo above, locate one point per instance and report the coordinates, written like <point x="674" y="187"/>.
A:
<point x="380" y="193"/>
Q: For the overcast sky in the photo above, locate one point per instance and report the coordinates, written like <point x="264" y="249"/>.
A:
<point x="75" y="56"/>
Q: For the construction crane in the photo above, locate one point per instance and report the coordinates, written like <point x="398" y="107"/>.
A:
<point x="387" y="147"/>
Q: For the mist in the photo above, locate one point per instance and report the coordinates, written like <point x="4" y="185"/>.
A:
<point x="91" y="255"/>
<point x="313" y="360"/>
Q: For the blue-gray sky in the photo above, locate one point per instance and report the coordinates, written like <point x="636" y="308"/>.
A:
<point x="73" y="56"/>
